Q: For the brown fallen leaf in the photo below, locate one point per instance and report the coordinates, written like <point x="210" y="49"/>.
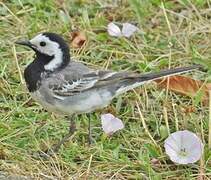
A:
<point x="78" y="39"/>
<point x="188" y="109"/>
<point x="155" y="162"/>
<point x="59" y="3"/>
<point x="3" y="154"/>
<point x="185" y="86"/>
<point x="154" y="22"/>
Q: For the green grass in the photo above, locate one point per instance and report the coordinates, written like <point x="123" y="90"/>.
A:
<point x="180" y="38"/>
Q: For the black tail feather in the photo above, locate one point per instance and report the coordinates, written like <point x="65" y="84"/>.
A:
<point x="168" y="72"/>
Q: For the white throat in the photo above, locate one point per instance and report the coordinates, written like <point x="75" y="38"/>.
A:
<point x="51" y="48"/>
<point x="55" y="62"/>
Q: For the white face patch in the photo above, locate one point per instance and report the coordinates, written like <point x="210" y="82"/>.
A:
<point x="50" y="48"/>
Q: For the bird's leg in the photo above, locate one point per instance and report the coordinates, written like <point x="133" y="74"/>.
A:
<point x="72" y="129"/>
<point x="55" y="148"/>
<point x="90" y="131"/>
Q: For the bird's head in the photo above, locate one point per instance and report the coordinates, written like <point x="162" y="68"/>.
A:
<point x="50" y="48"/>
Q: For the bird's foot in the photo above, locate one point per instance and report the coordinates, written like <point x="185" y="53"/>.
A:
<point x="54" y="149"/>
<point x="44" y="154"/>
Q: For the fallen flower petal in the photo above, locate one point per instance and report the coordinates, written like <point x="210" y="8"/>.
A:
<point x="111" y="124"/>
<point x="128" y="29"/>
<point x="114" y="30"/>
<point x="183" y="147"/>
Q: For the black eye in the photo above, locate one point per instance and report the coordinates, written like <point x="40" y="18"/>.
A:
<point x="42" y="43"/>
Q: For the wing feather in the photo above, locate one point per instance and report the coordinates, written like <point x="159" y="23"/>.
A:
<point x="69" y="86"/>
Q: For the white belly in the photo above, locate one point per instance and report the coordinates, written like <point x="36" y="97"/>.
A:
<point x="76" y="105"/>
<point x="92" y="102"/>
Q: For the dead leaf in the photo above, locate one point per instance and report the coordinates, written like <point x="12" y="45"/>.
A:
<point x="3" y="154"/>
<point x="155" y="162"/>
<point x="155" y="22"/>
<point x="60" y="3"/>
<point x="110" y="109"/>
<point x="185" y="86"/>
<point x="78" y="39"/>
<point x="188" y="109"/>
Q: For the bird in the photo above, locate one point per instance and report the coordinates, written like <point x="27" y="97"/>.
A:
<point x="62" y="85"/>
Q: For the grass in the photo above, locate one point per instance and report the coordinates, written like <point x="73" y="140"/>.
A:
<point x="175" y="33"/>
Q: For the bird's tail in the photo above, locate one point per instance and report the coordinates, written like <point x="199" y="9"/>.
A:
<point x="142" y="79"/>
<point x="168" y="72"/>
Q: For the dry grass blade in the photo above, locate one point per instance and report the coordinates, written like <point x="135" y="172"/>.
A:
<point x="144" y="124"/>
<point x="17" y="64"/>
<point x="209" y="139"/>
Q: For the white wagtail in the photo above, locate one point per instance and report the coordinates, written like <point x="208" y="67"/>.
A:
<point x="62" y="85"/>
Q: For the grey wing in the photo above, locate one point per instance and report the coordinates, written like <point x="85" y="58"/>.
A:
<point x="70" y="85"/>
<point x="74" y="79"/>
<point x="77" y="78"/>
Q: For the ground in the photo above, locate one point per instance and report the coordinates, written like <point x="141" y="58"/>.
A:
<point x="174" y="33"/>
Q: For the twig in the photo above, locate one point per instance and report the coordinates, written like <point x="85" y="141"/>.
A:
<point x="209" y="140"/>
<point x="167" y="20"/>
<point x="176" y="118"/>
<point x="11" y="12"/>
<point x="166" y="119"/>
<point x="89" y="165"/>
<point x="113" y="176"/>
<point x="201" y="174"/>
<point x="144" y="124"/>
<point x="17" y="64"/>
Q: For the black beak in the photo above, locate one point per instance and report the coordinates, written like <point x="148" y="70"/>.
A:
<point x="26" y="43"/>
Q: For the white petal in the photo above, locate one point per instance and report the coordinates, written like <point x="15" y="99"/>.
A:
<point x="173" y="142"/>
<point x="191" y="141"/>
<point x="113" y="30"/>
<point x="183" y="140"/>
<point x="128" y="29"/>
<point x="111" y="124"/>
